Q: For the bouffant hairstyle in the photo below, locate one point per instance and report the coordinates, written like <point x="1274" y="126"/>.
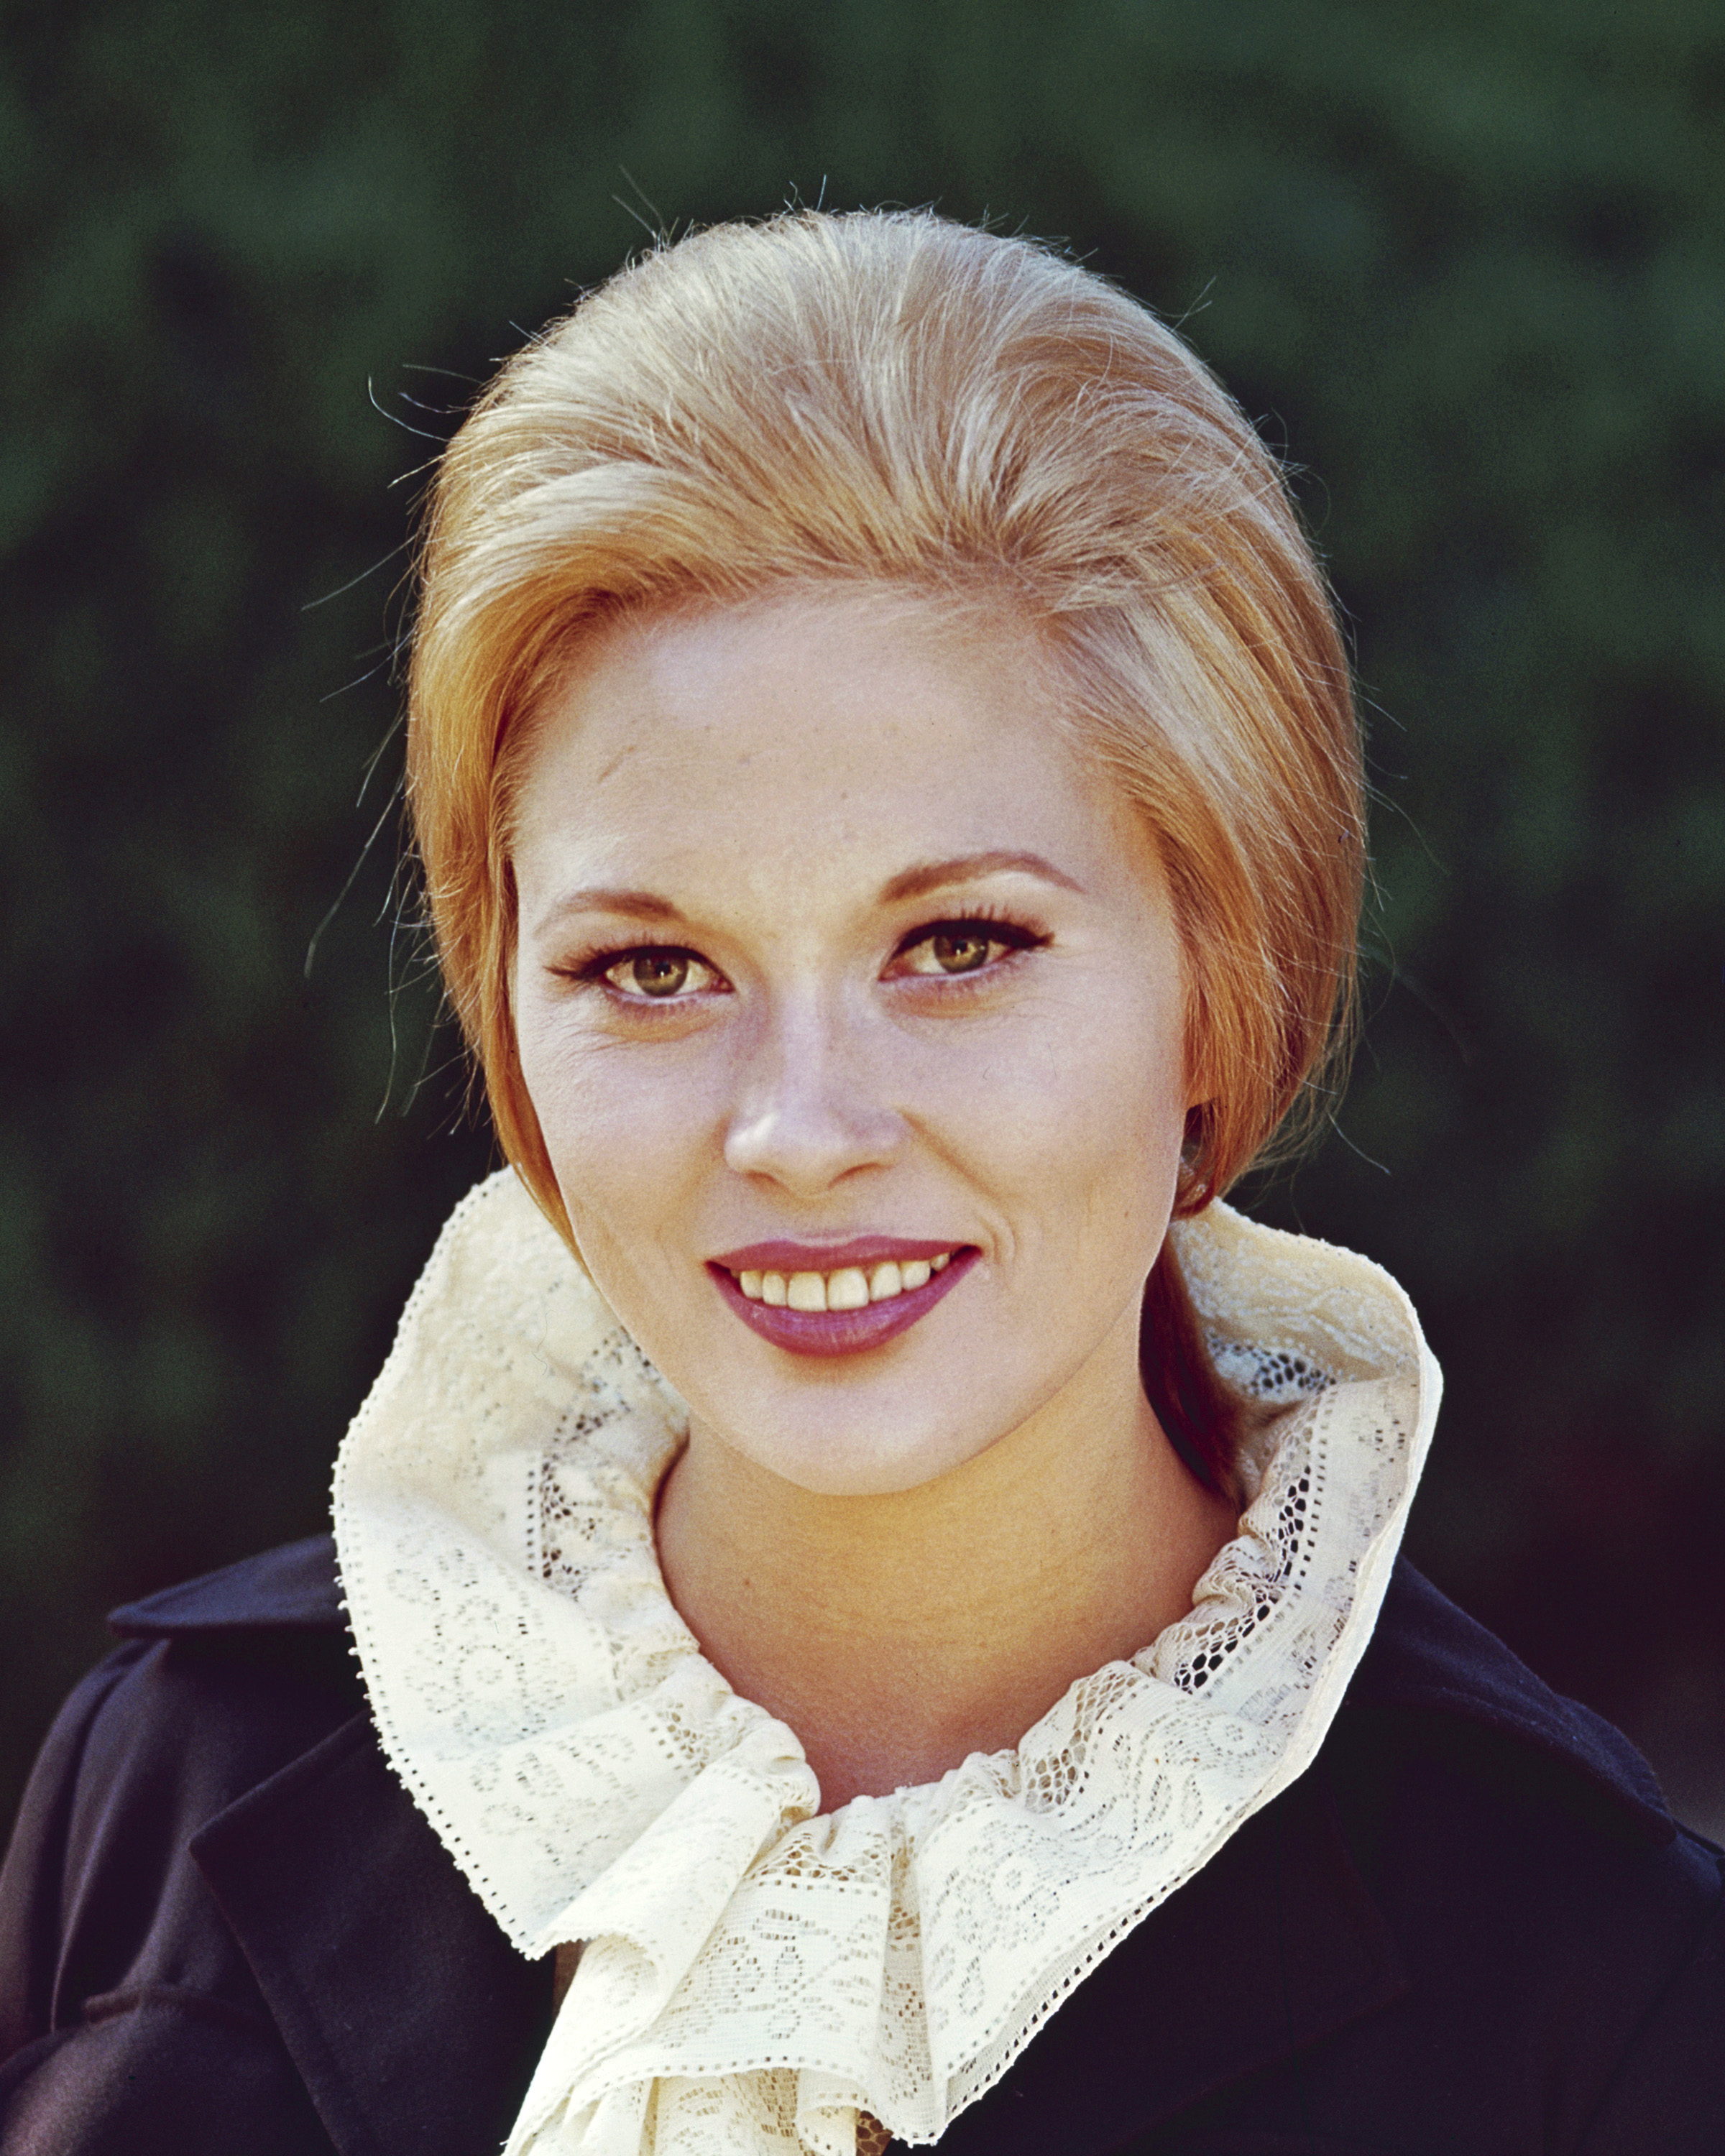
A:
<point x="888" y="398"/>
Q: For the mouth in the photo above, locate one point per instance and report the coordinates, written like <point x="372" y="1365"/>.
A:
<point x="867" y="1294"/>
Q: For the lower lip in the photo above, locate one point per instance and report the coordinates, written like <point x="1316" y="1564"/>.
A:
<point x="842" y="1332"/>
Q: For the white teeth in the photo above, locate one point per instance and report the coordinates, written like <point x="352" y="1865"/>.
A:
<point x="850" y="1288"/>
<point x="807" y="1291"/>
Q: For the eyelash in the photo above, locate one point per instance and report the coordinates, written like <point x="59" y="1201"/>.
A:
<point x="1017" y="936"/>
<point x="1002" y="928"/>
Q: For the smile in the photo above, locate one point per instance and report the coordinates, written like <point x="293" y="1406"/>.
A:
<point x="848" y="1288"/>
<point x="843" y="1309"/>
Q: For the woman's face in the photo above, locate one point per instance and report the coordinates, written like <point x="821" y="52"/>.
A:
<point x="842" y="981"/>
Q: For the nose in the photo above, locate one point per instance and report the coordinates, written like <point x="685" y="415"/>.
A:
<point x="810" y="1107"/>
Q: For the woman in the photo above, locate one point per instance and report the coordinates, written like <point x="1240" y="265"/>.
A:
<point x="878" y="1592"/>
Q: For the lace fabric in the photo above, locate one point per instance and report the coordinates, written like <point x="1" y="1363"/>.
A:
<point x="755" y="1977"/>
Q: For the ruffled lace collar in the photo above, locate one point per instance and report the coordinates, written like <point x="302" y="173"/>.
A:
<point x="755" y="1975"/>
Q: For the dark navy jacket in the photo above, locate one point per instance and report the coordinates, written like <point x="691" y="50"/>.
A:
<point x="1470" y="1929"/>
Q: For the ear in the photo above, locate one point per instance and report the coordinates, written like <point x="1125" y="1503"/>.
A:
<point x="1192" y="1189"/>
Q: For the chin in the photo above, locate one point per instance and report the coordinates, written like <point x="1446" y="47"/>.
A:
<point x="838" y="1459"/>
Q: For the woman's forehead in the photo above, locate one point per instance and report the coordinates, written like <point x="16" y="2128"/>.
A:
<point x="805" y="731"/>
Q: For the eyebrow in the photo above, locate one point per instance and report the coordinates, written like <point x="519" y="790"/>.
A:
<point x="910" y="883"/>
<point x="635" y="905"/>
<point x="971" y="868"/>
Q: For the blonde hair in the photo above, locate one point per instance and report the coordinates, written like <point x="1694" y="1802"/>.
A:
<point x="886" y="398"/>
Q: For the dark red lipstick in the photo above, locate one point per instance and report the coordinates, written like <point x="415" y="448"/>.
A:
<point x="837" y="1331"/>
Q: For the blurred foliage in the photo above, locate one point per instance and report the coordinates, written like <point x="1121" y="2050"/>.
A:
<point x="1463" y="261"/>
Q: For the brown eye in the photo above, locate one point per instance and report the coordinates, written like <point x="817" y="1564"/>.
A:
<point x="959" y="953"/>
<point x="653" y="972"/>
<point x="661" y="973"/>
<point x="949" y="947"/>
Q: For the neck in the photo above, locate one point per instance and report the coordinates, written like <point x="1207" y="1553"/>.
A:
<point x="896" y="1634"/>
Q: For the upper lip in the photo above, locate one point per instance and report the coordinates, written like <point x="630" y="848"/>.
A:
<point x="782" y="1257"/>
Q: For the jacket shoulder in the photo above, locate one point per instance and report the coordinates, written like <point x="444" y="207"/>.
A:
<point x="291" y="1588"/>
<point x="222" y="1923"/>
<point x="1431" y="1659"/>
<point x="219" y="1684"/>
<point x="1562" y="1938"/>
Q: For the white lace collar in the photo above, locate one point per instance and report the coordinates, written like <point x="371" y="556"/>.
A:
<point x="754" y="1975"/>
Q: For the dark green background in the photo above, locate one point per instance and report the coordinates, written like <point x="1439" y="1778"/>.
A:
<point x="1464" y="263"/>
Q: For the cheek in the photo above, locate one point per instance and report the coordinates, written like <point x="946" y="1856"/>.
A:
<point x="1126" y="1135"/>
<point x="1076" y="1125"/>
<point x="622" y="1130"/>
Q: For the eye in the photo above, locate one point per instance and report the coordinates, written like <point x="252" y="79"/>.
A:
<point x="658" y="975"/>
<point x="951" y="947"/>
<point x="957" y="950"/>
